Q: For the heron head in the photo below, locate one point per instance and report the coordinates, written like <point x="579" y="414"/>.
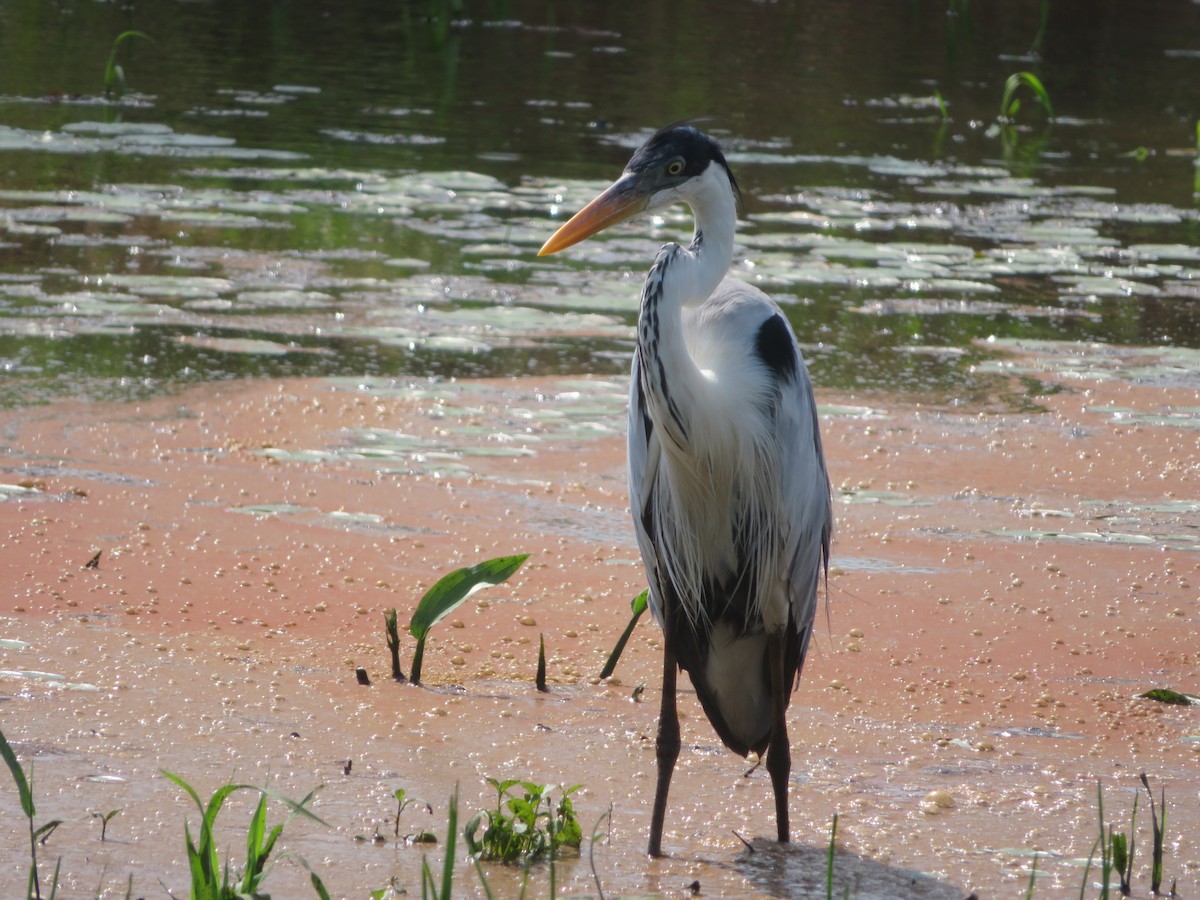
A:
<point x="657" y="175"/>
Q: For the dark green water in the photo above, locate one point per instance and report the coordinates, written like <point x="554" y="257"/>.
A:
<point x="360" y="189"/>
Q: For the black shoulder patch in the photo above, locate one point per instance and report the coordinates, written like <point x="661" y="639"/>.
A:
<point x="776" y="349"/>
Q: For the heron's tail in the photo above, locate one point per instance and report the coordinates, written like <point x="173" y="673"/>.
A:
<point x="735" y="690"/>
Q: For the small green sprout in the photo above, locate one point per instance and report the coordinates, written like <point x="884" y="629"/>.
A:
<point x="540" y="680"/>
<point x="1010" y="104"/>
<point x="1159" y="826"/>
<point x="403" y="801"/>
<point x="114" y="73"/>
<point x="392" y="633"/>
<point x="446" y="596"/>
<point x="105" y="818"/>
<point x="638" y="605"/>
<point x="943" y="111"/>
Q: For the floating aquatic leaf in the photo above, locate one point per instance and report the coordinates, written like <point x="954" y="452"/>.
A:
<point x="117" y="128"/>
<point x="284" y="299"/>
<point x="17" y="489"/>
<point x="360" y="518"/>
<point x="1168" y="696"/>
<point x="30" y="673"/>
<point x="1185" y="252"/>
<point x="181" y="286"/>
<point x="271" y="509"/>
<point x="885" y="498"/>
<point x="250" y="346"/>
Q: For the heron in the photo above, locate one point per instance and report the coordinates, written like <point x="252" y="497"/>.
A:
<point x="728" y="486"/>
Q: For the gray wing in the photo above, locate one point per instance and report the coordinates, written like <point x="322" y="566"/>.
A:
<point x="806" y="504"/>
<point x="643" y="458"/>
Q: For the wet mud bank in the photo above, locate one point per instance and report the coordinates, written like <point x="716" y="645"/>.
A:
<point x="1004" y="585"/>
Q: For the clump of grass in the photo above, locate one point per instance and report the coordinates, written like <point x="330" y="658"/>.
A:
<point x="1010" y="103"/>
<point x="37" y="835"/>
<point x="1117" y="849"/>
<point x="211" y="880"/>
<point x="526" y="825"/>
<point x="114" y="82"/>
<point x="638" y="605"/>
<point x="446" y="596"/>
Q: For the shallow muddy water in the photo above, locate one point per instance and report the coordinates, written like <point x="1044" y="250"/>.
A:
<point x="276" y="344"/>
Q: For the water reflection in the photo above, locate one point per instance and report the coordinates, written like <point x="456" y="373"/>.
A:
<point x="361" y="196"/>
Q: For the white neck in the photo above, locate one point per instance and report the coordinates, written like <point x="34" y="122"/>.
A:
<point x="684" y="276"/>
<point x="706" y="261"/>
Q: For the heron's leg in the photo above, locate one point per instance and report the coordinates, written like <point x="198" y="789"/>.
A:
<point x="779" y="751"/>
<point x="666" y="748"/>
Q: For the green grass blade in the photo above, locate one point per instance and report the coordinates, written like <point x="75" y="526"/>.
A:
<point x="18" y="775"/>
<point x="218" y="800"/>
<point x="829" y="860"/>
<point x="54" y="880"/>
<point x="254" y="834"/>
<point x="298" y="807"/>
<point x="639" y="605"/>
<point x="540" y="678"/>
<point x="318" y="886"/>
<point x="1008" y="102"/>
<point x="452" y="837"/>
<point x="114" y="75"/>
<point x="187" y="787"/>
<point x="487" y="888"/>
<point x="445" y="596"/>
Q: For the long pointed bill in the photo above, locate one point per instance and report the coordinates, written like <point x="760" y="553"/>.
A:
<point x="621" y="201"/>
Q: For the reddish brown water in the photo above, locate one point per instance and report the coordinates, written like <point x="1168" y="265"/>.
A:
<point x="1004" y="585"/>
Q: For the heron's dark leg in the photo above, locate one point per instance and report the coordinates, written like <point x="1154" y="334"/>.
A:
<point x="779" y="751"/>
<point x="666" y="749"/>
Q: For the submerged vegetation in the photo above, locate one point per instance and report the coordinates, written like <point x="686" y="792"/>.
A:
<point x="1010" y="103"/>
<point x="114" y="72"/>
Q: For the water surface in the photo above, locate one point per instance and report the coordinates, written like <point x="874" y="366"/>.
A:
<point x="313" y="191"/>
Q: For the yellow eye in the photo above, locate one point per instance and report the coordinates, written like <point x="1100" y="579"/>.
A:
<point x="675" y="167"/>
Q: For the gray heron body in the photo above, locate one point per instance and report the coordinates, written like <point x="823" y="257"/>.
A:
<point x="727" y="480"/>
